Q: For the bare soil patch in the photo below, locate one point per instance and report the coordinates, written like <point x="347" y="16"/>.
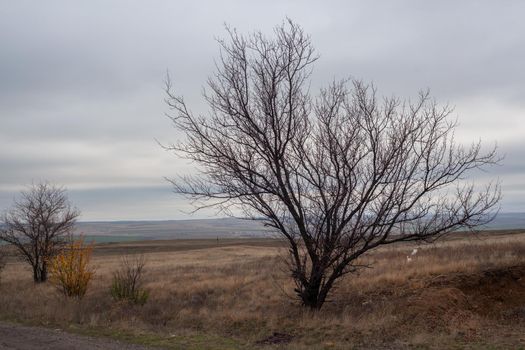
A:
<point x="275" y="339"/>
<point x="17" y="337"/>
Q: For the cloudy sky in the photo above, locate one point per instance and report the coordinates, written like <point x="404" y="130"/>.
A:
<point x="81" y="100"/>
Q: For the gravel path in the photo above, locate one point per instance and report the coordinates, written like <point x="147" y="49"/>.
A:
<point x="15" y="337"/>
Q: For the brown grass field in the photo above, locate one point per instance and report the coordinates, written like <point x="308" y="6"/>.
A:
<point x="463" y="292"/>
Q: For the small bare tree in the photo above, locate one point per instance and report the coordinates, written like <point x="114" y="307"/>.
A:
<point x="336" y="175"/>
<point x="38" y="225"/>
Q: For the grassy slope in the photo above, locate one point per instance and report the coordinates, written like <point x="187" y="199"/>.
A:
<point x="460" y="293"/>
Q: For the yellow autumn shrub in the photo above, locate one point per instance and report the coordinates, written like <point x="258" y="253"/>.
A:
<point x="70" y="270"/>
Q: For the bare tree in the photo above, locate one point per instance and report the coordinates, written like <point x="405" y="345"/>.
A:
<point x="336" y="175"/>
<point x="38" y="225"/>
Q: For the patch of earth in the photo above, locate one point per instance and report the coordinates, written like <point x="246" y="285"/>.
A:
<point x="17" y="337"/>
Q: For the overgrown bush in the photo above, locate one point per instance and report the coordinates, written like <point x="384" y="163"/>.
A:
<point x="128" y="280"/>
<point x="70" y="271"/>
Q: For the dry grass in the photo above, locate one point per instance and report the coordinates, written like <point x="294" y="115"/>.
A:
<point x="462" y="292"/>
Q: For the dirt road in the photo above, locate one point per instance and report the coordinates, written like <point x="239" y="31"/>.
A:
<point x="15" y="337"/>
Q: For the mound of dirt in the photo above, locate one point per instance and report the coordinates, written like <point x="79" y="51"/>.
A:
<point x="460" y="301"/>
<point x="439" y="307"/>
<point x="490" y="292"/>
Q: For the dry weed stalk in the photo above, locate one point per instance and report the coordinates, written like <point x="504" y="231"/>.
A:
<point x="128" y="279"/>
<point x="2" y="261"/>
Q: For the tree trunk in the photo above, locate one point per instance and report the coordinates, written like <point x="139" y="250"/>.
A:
<point x="43" y="273"/>
<point x="40" y="274"/>
<point x="36" y="274"/>
<point x="310" y="295"/>
<point x="314" y="292"/>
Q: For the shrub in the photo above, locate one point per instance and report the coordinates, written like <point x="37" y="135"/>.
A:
<point x="128" y="279"/>
<point x="70" y="272"/>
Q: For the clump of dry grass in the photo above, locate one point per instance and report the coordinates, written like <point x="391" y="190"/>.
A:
<point x="244" y="292"/>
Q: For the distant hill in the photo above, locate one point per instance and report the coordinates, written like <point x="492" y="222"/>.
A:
<point x="111" y="231"/>
<point x="116" y="231"/>
<point x="172" y="229"/>
<point x="507" y="221"/>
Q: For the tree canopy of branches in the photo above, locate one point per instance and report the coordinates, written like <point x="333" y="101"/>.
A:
<point x="337" y="174"/>
<point x="38" y="225"/>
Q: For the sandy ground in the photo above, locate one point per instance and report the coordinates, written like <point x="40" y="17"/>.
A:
<point x="29" y="338"/>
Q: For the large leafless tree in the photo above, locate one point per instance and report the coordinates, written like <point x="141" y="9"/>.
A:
<point x="38" y="225"/>
<point x="336" y="175"/>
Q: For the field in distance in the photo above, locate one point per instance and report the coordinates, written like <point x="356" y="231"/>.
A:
<point x="122" y="231"/>
<point x="464" y="292"/>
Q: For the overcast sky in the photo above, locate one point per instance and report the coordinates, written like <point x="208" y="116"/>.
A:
<point x="81" y="98"/>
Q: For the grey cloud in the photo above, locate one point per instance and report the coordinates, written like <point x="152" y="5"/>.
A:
<point x="81" y="82"/>
<point x="125" y="203"/>
<point x="458" y="50"/>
